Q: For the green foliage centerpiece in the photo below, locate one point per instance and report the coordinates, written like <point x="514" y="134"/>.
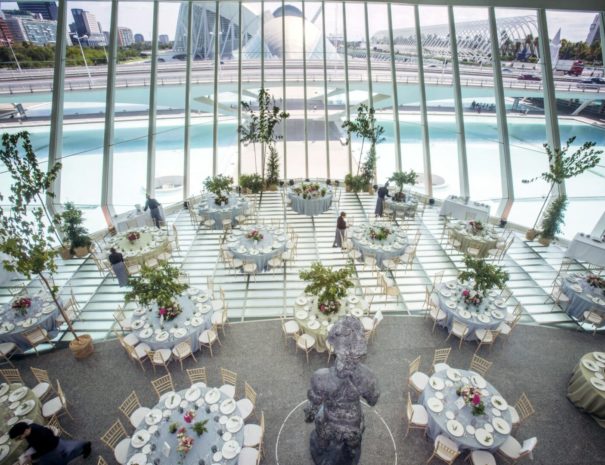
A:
<point x="560" y="168"/>
<point x="219" y="185"/>
<point x="160" y="285"/>
<point x="401" y="179"/>
<point x="379" y="233"/>
<point x="485" y="276"/>
<point x="330" y="286"/>
<point x="310" y="191"/>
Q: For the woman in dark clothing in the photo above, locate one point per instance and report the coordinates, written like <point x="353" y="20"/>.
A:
<point x="341" y="230"/>
<point x="119" y="268"/>
<point x="48" y="449"/>
<point x="382" y="193"/>
<point x="154" y="210"/>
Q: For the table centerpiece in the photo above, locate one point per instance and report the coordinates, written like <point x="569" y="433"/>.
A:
<point x="330" y="286"/>
<point x="379" y="233"/>
<point x="596" y="281"/>
<point x="255" y="235"/>
<point x="484" y="277"/>
<point x="21" y="305"/>
<point x="472" y="397"/>
<point x="133" y="236"/>
<point x="310" y="191"/>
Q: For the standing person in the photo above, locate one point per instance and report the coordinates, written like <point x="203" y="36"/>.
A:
<point x="45" y="447"/>
<point x="341" y="230"/>
<point x="119" y="268"/>
<point x="154" y="210"/>
<point x="383" y="192"/>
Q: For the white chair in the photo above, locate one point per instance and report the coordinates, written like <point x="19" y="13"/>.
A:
<point x="117" y="439"/>
<point x="250" y="269"/>
<point x="416" y="379"/>
<point x="445" y="450"/>
<point x="460" y="330"/>
<point x="486" y="338"/>
<point x="253" y="434"/>
<point x="208" y="338"/>
<point x="556" y="293"/>
<point x="290" y="329"/>
<point x="481" y="457"/>
<point x="56" y="406"/>
<point x="417" y="417"/>
<point x="248" y="456"/>
<point x="7" y="350"/>
<point x="44" y="386"/>
<point x="248" y="403"/>
<point x="433" y="311"/>
<point x="132" y="409"/>
<point x="229" y="380"/>
<point x="305" y="342"/>
<point x="182" y="351"/>
<point x="593" y="318"/>
<point x="440" y="359"/>
<point x="512" y="450"/>
<point x="370" y="324"/>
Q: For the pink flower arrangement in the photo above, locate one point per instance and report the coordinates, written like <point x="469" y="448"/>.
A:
<point x="596" y="281"/>
<point x="255" y="235"/>
<point x="169" y="313"/>
<point x="133" y="236"/>
<point x="476" y="226"/>
<point x="189" y="416"/>
<point x="472" y="397"/>
<point x="185" y="442"/>
<point x="471" y="297"/>
<point x="21" y="305"/>
<point x="328" y="308"/>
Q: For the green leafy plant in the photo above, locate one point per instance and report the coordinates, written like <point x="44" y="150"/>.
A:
<point x="160" y="284"/>
<point x="71" y="226"/>
<point x="327" y="284"/>
<point x="24" y="236"/>
<point x="173" y="427"/>
<point x="554" y="218"/>
<point x="365" y="126"/>
<point x="485" y="275"/>
<point x="356" y="183"/>
<point x="218" y="184"/>
<point x="253" y="182"/>
<point x="401" y="178"/>
<point x="199" y="427"/>
<point x="562" y="167"/>
<point x="260" y="128"/>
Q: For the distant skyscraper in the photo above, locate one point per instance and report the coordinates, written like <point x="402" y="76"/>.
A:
<point x="48" y="10"/>
<point x="594" y="34"/>
<point x="86" y="22"/>
<point x="125" y="37"/>
<point x="138" y="38"/>
<point x="164" y="39"/>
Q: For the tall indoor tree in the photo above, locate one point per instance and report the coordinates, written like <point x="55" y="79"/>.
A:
<point x="260" y="128"/>
<point x="25" y="236"/>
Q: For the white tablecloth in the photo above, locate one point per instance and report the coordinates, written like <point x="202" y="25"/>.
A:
<point x="132" y="219"/>
<point x="586" y="249"/>
<point x="464" y="209"/>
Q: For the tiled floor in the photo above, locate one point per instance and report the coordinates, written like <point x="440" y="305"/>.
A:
<point x="531" y="266"/>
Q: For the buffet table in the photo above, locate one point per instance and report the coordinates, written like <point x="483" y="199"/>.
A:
<point x="587" y="249"/>
<point x="462" y="209"/>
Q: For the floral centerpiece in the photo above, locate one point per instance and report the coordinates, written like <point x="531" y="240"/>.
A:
<point x="221" y="199"/>
<point x="472" y="397"/>
<point x="255" y="235"/>
<point x="379" y="233"/>
<point x="133" y="236"/>
<point x="471" y="297"/>
<point x="330" y="286"/>
<point x="596" y="281"/>
<point x="185" y="443"/>
<point x="311" y="191"/>
<point x="170" y="313"/>
<point x="476" y="227"/>
<point x="189" y="416"/>
<point x="485" y="276"/>
<point x="21" y="305"/>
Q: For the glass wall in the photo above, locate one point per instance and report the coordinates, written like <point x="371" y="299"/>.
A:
<point x="313" y="57"/>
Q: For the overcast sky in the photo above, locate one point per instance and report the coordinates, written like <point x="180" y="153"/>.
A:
<point x="137" y="16"/>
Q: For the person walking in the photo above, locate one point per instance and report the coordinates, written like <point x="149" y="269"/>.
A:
<point x="341" y="230"/>
<point x="154" y="210"/>
<point x="383" y="192"/>
<point x="116" y="259"/>
<point x="45" y="447"/>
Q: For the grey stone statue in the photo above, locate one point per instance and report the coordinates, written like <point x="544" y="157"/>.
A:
<point x="335" y="394"/>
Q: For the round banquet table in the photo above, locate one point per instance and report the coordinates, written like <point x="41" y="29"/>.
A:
<point x="582" y="296"/>
<point x="224" y="429"/>
<point x="444" y="384"/>
<point x="393" y="246"/>
<point x="235" y="206"/>
<point x="273" y="243"/>
<point x="407" y="208"/>
<point x="310" y="206"/>
<point x="489" y="314"/>
<point x="42" y="312"/>
<point x="187" y="326"/>
<point x="152" y="242"/>
<point x="483" y="240"/>
<point x="586" y="389"/>
<point x="16" y="448"/>
<point x="318" y="324"/>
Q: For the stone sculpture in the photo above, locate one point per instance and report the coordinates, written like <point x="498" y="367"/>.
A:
<point x="335" y="395"/>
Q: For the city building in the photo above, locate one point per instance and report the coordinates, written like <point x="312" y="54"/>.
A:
<point x="48" y="10"/>
<point x="125" y="37"/>
<point x="85" y="22"/>
<point x="163" y="39"/>
<point x="138" y="38"/>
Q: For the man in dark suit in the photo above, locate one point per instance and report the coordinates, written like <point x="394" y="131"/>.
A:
<point x="383" y="192"/>
<point x="154" y="210"/>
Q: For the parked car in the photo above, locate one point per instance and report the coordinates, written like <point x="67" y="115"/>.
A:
<point x="592" y="83"/>
<point x="529" y="77"/>
<point x="507" y="70"/>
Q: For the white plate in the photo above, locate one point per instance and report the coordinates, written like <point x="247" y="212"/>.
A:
<point x="138" y="324"/>
<point x="598" y="383"/>
<point x="227" y="406"/>
<point x="25" y="407"/>
<point x="139" y="311"/>
<point x="434" y="404"/>
<point x="254" y="252"/>
<point x="234" y="424"/>
<point x="496" y="412"/>
<point x="445" y="293"/>
<point x="600" y="356"/>
<point x="193" y="291"/>
<point x="138" y="459"/>
<point x="153" y="417"/>
<point x="464" y="313"/>
<point x="439" y="395"/>
<point x="12" y="421"/>
<point x="592" y="366"/>
<point x="6" y="327"/>
<point x="576" y="287"/>
<point x="353" y="299"/>
<point x="450" y="415"/>
<point x="500" y="304"/>
<point x="501" y="425"/>
<point x="48" y="309"/>
<point x="598" y="301"/>
<point x="223" y="419"/>
<point x="499" y="403"/>
<point x="454" y="375"/>
<point x="18" y="394"/>
<point x="4" y="451"/>
<point x="139" y="439"/>
<point x="172" y="401"/>
<point x="180" y="332"/>
<point x="436" y="383"/>
<point x="204" y="308"/>
<point x="497" y="314"/>
<point x="484" y="438"/>
<point x="147" y="332"/>
<point x="192" y="394"/>
<point x="484" y="318"/>
<point x="227" y="436"/>
<point x="455" y="428"/>
<point x="478" y="381"/>
<point x="30" y="322"/>
<point x="313" y="324"/>
<point x="357" y="312"/>
<point x="212" y="396"/>
<point x="451" y="285"/>
<point x="301" y="315"/>
<point x="452" y="304"/>
<point x="230" y="449"/>
<point x="218" y="456"/>
<point x="4" y="438"/>
<point x="4" y="388"/>
<point x="196" y="321"/>
<point x="160" y="337"/>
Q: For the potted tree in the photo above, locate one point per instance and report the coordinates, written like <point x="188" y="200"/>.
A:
<point x="560" y="168"/>
<point x="484" y="276"/>
<point x="251" y="183"/>
<point x="25" y="237"/>
<point x="365" y="126"/>
<point x="330" y="286"/>
<point x="553" y="220"/>
<point x="218" y="184"/>
<point x="260" y="128"/>
<point x="402" y="178"/>
<point x="75" y="233"/>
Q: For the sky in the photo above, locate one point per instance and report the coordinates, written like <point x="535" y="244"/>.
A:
<point x="138" y="16"/>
